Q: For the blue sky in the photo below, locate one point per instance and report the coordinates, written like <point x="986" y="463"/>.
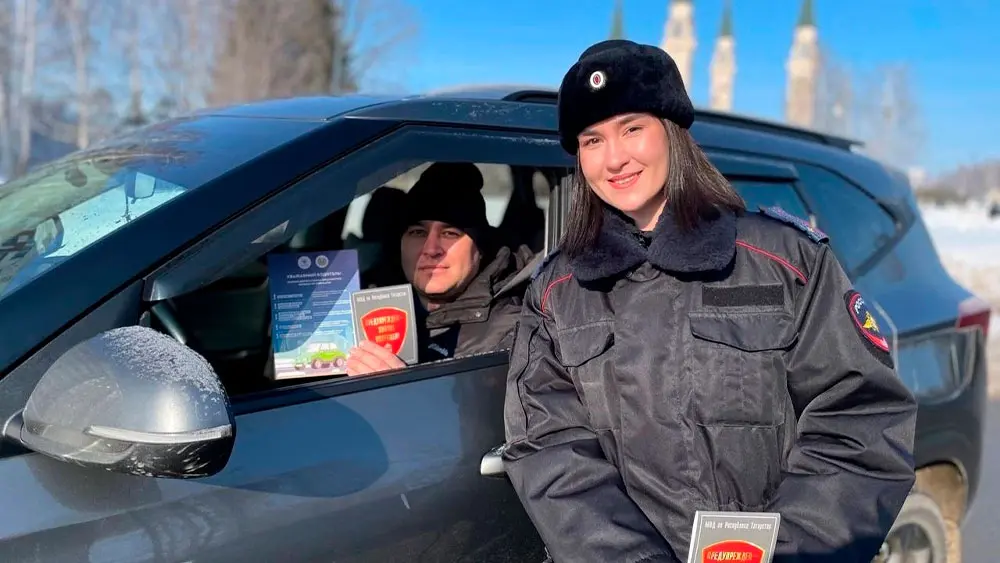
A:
<point x="950" y="46"/>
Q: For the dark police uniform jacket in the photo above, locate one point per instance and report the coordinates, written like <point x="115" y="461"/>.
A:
<point x="732" y="367"/>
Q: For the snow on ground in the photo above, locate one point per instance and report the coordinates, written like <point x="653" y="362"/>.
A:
<point x="968" y="242"/>
<point x="965" y="233"/>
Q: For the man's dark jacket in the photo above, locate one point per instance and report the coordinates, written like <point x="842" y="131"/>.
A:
<point x="731" y="368"/>
<point x="482" y="319"/>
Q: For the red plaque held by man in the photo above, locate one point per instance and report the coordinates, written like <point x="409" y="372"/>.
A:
<point x="386" y="326"/>
<point x="387" y="317"/>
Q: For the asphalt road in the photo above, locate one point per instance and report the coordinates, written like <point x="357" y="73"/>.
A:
<point x="980" y="528"/>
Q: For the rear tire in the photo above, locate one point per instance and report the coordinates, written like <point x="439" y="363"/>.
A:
<point x="919" y="534"/>
<point x="945" y="485"/>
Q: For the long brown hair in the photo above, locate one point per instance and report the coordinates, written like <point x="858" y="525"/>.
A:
<point x="696" y="191"/>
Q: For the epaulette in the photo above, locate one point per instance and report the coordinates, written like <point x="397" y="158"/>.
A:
<point x="541" y="263"/>
<point x="776" y="212"/>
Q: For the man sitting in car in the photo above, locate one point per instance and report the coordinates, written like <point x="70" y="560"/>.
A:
<point x="467" y="284"/>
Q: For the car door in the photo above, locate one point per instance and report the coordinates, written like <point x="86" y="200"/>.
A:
<point x="380" y="468"/>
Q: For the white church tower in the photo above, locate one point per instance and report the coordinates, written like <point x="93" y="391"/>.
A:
<point x="678" y="37"/>
<point x="723" y="66"/>
<point x="803" y="70"/>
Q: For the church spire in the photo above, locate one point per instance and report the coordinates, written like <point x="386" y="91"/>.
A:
<point x="806" y="17"/>
<point x="722" y="69"/>
<point x="803" y="70"/>
<point x="727" y="20"/>
<point x="617" y="22"/>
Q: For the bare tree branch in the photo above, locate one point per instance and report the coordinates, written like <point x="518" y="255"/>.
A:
<point x="878" y="107"/>
<point x="7" y="81"/>
<point x="835" y="111"/>
<point x="77" y="14"/>
<point x="896" y="128"/>
<point x="375" y="31"/>
<point x="72" y="71"/>
<point x="27" y="39"/>
<point x="274" y="50"/>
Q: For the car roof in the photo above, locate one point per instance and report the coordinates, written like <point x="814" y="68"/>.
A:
<point x="302" y="108"/>
<point x="325" y="108"/>
<point x="531" y="107"/>
<point x="543" y="94"/>
<point x="494" y="100"/>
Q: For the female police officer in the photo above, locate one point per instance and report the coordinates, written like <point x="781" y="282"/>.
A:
<point x="679" y="353"/>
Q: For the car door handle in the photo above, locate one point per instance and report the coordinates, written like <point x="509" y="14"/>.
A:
<point x="492" y="463"/>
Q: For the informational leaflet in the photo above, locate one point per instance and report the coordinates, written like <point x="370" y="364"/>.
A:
<point x="386" y="316"/>
<point x="312" y="327"/>
<point x="740" y="537"/>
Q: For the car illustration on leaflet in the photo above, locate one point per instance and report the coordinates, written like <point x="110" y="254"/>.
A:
<point x="321" y="355"/>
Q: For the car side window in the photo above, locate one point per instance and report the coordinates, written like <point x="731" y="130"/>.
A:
<point x="857" y="225"/>
<point x="767" y="194"/>
<point x="232" y="320"/>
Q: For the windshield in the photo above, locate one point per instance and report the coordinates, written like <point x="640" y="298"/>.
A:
<point x="66" y="206"/>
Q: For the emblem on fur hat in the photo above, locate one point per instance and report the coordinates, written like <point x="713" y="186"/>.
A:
<point x="597" y="80"/>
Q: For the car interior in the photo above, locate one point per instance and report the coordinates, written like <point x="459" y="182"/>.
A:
<point x="229" y="320"/>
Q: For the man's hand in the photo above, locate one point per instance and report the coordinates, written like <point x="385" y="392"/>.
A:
<point x="369" y="357"/>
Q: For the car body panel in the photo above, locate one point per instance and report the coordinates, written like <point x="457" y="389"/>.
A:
<point x="339" y="477"/>
<point x="951" y="420"/>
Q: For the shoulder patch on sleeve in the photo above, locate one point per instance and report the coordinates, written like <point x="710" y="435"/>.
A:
<point x="543" y="262"/>
<point x="776" y="212"/>
<point x="867" y="327"/>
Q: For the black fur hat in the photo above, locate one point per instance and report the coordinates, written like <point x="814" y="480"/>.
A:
<point x="618" y="76"/>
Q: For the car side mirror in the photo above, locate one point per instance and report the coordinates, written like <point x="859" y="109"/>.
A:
<point x="130" y="400"/>
<point x="140" y="186"/>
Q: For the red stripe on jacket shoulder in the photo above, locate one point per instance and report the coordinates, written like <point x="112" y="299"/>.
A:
<point x="548" y="290"/>
<point x="774" y="258"/>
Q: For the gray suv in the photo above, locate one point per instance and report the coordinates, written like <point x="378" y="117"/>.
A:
<point x="143" y="417"/>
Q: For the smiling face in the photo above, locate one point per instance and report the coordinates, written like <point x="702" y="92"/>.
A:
<point x="438" y="258"/>
<point x="625" y="162"/>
